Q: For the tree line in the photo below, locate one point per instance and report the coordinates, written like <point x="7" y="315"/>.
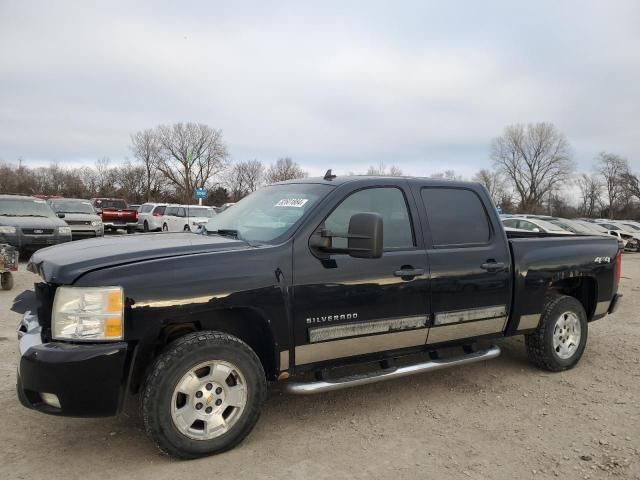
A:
<point x="533" y="171"/>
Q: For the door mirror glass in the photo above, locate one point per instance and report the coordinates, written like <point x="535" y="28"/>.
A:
<point x="364" y="237"/>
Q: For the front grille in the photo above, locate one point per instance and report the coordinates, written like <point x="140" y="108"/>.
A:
<point x="78" y="222"/>
<point x="37" y="231"/>
<point x="44" y="296"/>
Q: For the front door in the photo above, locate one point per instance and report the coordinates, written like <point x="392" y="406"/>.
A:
<point x="469" y="260"/>
<point x="345" y="306"/>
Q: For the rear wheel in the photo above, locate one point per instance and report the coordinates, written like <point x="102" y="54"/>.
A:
<point x="561" y="337"/>
<point x="6" y="280"/>
<point x="165" y="228"/>
<point x="131" y="230"/>
<point x="203" y="395"/>
<point x="145" y="227"/>
<point x="186" y="228"/>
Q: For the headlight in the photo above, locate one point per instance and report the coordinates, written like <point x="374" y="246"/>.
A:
<point x="7" y="229"/>
<point x="96" y="223"/>
<point x="88" y="313"/>
<point x="64" y="230"/>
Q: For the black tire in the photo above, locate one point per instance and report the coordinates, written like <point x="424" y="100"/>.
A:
<point x="540" y="346"/>
<point x="145" y="227"/>
<point x="165" y="228"/>
<point x="182" y="355"/>
<point x="186" y="228"/>
<point x="6" y="281"/>
<point x="131" y="230"/>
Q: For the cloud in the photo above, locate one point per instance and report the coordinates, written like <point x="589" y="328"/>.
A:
<point x="420" y="85"/>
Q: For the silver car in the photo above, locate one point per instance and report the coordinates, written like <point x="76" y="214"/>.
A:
<point x="80" y="216"/>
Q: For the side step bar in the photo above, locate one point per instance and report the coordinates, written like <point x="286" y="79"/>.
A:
<point x="308" y="388"/>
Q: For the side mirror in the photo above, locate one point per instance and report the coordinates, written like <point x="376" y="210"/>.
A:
<point x="365" y="235"/>
<point x="61" y="215"/>
<point x="364" y="238"/>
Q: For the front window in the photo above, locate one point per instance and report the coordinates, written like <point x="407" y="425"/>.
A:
<point x="72" y="206"/>
<point x="269" y="213"/>
<point x="25" y="208"/>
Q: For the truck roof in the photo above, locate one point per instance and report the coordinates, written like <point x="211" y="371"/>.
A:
<point x="339" y="180"/>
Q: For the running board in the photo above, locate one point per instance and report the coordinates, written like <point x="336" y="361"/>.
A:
<point x="308" y="388"/>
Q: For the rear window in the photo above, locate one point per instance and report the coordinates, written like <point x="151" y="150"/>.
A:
<point x="117" y="204"/>
<point x="146" y="208"/>
<point x="159" y="210"/>
<point x="171" y="211"/>
<point x="456" y="217"/>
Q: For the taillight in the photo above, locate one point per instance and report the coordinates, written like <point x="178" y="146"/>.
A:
<point x="618" y="267"/>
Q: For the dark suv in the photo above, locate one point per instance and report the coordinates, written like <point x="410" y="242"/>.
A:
<point x="29" y="223"/>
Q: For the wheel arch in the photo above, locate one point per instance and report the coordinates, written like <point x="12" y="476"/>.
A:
<point x="246" y="323"/>
<point x="583" y="288"/>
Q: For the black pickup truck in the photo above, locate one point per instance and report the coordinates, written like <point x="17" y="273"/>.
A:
<point x="297" y="283"/>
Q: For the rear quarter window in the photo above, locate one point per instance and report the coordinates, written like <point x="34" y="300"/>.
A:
<point x="456" y="217"/>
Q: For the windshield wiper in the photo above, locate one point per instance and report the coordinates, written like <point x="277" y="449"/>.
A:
<point x="31" y="215"/>
<point x="226" y="232"/>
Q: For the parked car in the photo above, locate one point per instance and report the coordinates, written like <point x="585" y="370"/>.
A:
<point x="534" y="225"/>
<point x="28" y="223"/>
<point x="586" y="228"/>
<point x="150" y="217"/>
<point x="80" y="216"/>
<point x="631" y="236"/>
<point x="296" y="279"/>
<point x="178" y="218"/>
<point x="116" y="214"/>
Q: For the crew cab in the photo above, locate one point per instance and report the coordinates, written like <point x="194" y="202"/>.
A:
<point x="116" y="214"/>
<point x="298" y="283"/>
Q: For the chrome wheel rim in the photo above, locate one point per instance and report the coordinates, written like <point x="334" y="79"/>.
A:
<point x="566" y="335"/>
<point x="208" y="400"/>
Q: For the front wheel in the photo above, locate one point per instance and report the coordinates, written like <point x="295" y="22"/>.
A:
<point x="165" y="228"/>
<point x="561" y="337"/>
<point x="145" y="227"/>
<point x="186" y="228"/>
<point x="203" y="395"/>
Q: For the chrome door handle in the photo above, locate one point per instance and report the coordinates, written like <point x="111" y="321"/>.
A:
<point x="493" y="266"/>
<point x="409" y="272"/>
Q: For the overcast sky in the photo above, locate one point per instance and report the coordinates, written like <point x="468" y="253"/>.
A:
<point x="422" y="85"/>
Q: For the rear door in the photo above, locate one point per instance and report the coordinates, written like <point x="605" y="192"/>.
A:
<point x="169" y="218"/>
<point x="469" y="262"/>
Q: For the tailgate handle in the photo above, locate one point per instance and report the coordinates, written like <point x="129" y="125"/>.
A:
<point x="493" y="266"/>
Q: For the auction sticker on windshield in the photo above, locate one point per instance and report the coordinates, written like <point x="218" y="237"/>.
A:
<point x="292" y="202"/>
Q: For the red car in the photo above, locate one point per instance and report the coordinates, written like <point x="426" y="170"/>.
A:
<point x="116" y="214"/>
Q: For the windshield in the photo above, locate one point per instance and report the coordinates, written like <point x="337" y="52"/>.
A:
<point x="25" y="208"/>
<point x="200" y="212"/>
<point x="118" y="204"/>
<point x="634" y="227"/>
<point x="268" y="213"/>
<point x="72" y="206"/>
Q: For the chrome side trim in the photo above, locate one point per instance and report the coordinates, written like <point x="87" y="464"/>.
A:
<point x="320" y="334"/>
<point x="307" y="388"/>
<point x="529" y="321"/>
<point x="317" y="352"/>
<point x="445" y="333"/>
<point x="602" y="307"/>
<point x="284" y="360"/>
<point x="456" y="316"/>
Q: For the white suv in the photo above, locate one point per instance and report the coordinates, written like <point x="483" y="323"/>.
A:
<point x="185" y="218"/>
<point x="150" y="216"/>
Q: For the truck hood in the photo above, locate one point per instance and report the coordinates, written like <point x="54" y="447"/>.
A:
<point x="32" y="222"/>
<point x="63" y="264"/>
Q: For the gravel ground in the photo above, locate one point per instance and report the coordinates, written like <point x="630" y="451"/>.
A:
<point x="500" y="419"/>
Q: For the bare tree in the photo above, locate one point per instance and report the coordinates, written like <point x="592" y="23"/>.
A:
<point x="495" y="184"/>
<point x="590" y="194"/>
<point x="284" y="169"/>
<point x="244" y="178"/>
<point x="381" y="170"/>
<point x="190" y="156"/>
<point x="613" y="170"/>
<point x="535" y="159"/>
<point x="146" y="149"/>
